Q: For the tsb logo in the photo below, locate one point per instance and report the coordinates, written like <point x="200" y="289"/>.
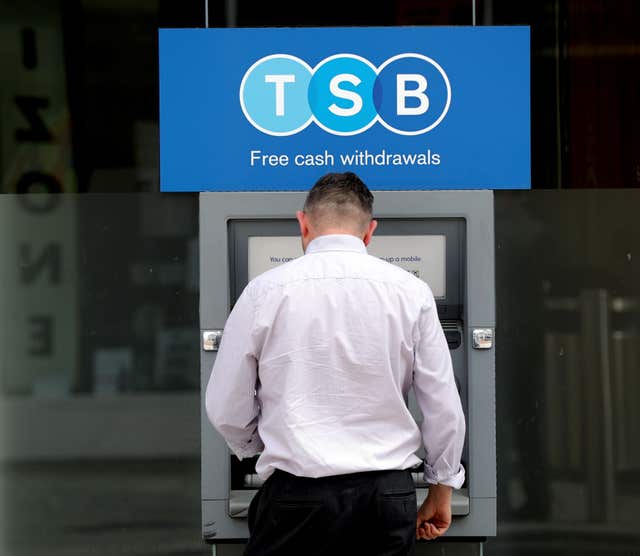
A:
<point x="345" y="94"/>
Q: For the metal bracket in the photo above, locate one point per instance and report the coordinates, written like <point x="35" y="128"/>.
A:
<point x="482" y="338"/>
<point x="211" y="339"/>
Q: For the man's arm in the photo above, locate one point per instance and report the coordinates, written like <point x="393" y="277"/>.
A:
<point x="434" y="515"/>
<point x="230" y="402"/>
<point x="443" y="426"/>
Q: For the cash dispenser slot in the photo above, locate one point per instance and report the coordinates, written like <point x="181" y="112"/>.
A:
<point x="241" y="496"/>
<point x="452" y="332"/>
<point x="239" y="501"/>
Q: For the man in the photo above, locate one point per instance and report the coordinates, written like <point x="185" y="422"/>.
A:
<point x="317" y="359"/>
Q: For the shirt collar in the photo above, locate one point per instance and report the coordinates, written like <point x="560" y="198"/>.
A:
<point x="336" y="242"/>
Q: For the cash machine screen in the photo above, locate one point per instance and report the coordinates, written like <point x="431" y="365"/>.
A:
<point x="422" y="255"/>
<point x="432" y="249"/>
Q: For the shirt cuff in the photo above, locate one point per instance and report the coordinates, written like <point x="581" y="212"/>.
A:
<point x="433" y="477"/>
<point x="250" y="448"/>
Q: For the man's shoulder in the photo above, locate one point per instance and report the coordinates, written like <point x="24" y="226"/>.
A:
<point x="393" y="272"/>
<point x="363" y="266"/>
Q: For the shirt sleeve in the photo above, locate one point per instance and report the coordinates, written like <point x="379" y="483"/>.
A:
<point x="443" y="426"/>
<point x="230" y="400"/>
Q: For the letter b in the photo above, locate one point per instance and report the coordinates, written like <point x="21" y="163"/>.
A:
<point x="402" y="93"/>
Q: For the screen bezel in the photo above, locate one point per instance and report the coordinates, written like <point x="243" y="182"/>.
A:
<point x="450" y="307"/>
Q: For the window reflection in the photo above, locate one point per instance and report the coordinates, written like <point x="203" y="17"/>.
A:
<point x="567" y="366"/>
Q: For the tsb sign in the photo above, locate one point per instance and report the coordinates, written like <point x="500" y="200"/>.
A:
<point x="345" y="94"/>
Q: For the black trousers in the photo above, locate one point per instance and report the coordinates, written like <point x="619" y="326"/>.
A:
<point x="371" y="513"/>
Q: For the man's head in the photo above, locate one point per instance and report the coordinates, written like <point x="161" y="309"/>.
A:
<point x="338" y="203"/>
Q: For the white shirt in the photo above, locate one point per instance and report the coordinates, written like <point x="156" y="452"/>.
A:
<point x="316" y="361"/>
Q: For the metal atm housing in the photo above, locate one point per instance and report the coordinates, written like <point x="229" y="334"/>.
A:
<point x="466" y="311"/>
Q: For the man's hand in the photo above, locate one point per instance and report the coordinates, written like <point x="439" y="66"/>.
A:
<point x="434" y="516"/>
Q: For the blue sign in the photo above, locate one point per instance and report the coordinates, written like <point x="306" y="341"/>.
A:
<point x="246" y="109"/>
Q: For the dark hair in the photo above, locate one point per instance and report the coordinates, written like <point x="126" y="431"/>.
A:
<point x="342" y="191"/>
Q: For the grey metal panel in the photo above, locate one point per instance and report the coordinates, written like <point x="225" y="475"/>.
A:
<point x="481" y="425"/>
<point x="481" y="521"/>
<point x="214" y="457"/>
<point x="218" y="525"/>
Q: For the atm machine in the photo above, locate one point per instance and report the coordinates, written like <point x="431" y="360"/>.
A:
<point x="445" y="238"/>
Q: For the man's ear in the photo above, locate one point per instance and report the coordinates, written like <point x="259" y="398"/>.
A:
<point x="304" y="223"/>
<point x="371" y="228"/>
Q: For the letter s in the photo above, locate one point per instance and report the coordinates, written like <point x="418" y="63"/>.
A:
<point x="355" y="98"/>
